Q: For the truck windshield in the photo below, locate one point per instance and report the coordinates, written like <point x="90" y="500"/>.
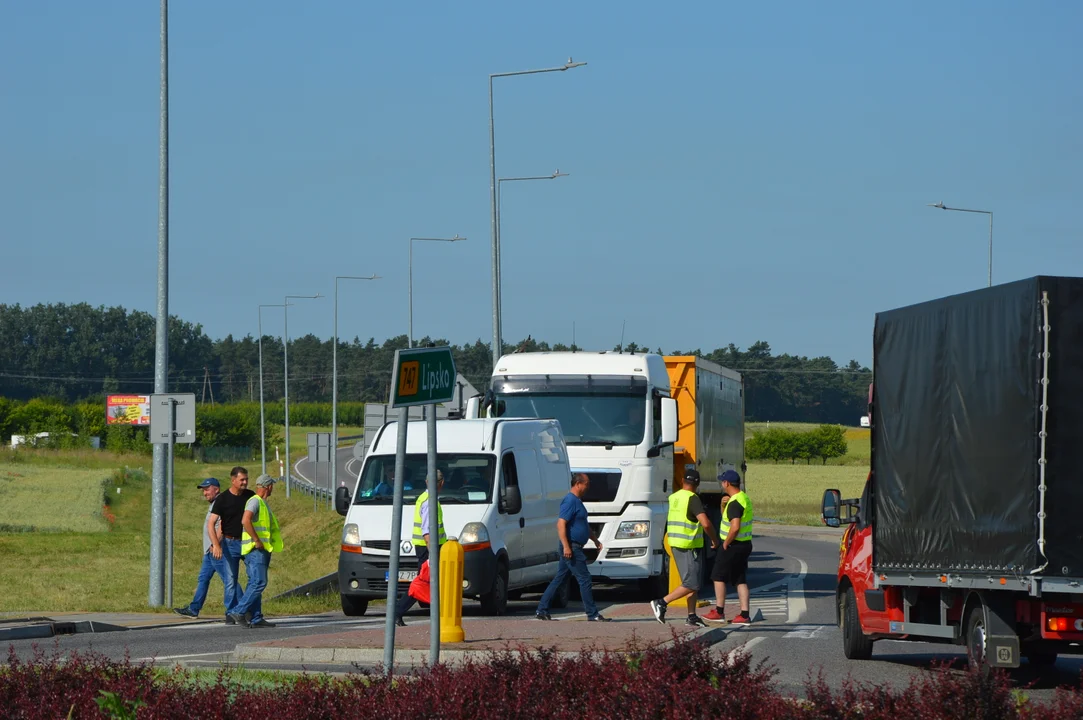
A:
<point x="585" y="418"/>
<point x="468" y="479"/>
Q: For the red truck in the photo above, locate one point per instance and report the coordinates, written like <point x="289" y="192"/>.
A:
<point x="968" y="530"/>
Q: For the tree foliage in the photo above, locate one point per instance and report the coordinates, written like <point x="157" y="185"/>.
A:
<point x="824" y="442"/>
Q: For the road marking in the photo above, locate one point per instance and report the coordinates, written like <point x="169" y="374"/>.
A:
<point x="350" y="465"/>
<point x="805" y="632"/>
<point x="784" y="581"/>
<point x="179" y="657"/>
<point x="746" y="646"/>
<point x="796" y="592"/>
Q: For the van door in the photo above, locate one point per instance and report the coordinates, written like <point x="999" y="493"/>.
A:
<point x="539" y="531"/>
<point x="509" y="527"/>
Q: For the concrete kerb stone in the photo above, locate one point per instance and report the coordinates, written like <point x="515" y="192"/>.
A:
<point x="406" y="656"/>
<point x="799" y="532"/>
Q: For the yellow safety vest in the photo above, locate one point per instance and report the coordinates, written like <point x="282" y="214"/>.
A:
<point x="419" y="532"/>
<point x="266" y="527"/>
<point x="683" y="534"/>
<point x="745" y="533"/>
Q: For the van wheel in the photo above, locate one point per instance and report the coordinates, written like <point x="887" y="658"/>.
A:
<point x="354" y="607"/>
<point x="563" y="595"/>
<point x="495" y="602"/>
<point x="855" y="646"/>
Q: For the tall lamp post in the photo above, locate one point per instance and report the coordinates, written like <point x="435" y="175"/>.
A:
<point x="497" y="341"/>
<point x="499" y="261"/>
<point x="286" y="374"/>
<point x="262" y="420"/>
<point x="410" y="283"/>
<point x="334" y="385"/>
<point x="942" y="206"/>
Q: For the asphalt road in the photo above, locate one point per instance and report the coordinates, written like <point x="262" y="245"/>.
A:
<point x="793" y="584"/>
<point x="348" y="468"/>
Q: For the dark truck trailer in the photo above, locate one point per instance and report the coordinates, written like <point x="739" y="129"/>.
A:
<point x="968" y="528"/>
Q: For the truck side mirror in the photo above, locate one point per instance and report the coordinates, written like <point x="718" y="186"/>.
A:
<point x="342" y="500"/>
<point x="511" y="501"/>
<point x="830" y="508"/>
<point x="669" y="421"/>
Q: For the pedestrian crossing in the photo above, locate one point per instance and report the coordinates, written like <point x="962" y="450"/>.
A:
<point x="771" y="604"/>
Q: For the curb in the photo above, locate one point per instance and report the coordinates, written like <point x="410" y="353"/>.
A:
<point x="38" y="631"/>
<point x="320" y="586"/>
<point x="799" y="532"/>
<point x="375" y="656"/>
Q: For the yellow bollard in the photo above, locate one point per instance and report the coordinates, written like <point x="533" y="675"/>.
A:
<point x="451" y="592"/>
<point x="674" y="573"/>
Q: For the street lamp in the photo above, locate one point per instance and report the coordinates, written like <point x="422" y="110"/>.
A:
<point x="410" y="284"/>
<point x="942" y="206"/>
<point x="262" y="422"/>
<point x="334" y="384"/>
<point x="286" y="374"/>
<point x="499" y="261"/>
<point x="497" y="342"/>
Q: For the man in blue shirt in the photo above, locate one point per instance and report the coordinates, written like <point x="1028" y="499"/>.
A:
<point x="574" y="531"/>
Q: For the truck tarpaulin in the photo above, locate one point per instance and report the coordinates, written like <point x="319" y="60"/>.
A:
<point x="957" y="418"/>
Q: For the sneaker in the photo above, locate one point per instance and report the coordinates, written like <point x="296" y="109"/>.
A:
<point x="400" y="622"/>
<point x="262" y="623"/>
<point x="715" y="616"/>
<point x="237" y="619"/>
<point x="742" y="618"/>
<point x="659" y="611"/>
<point x="230" y="621"/>
<point x="695" y="621"/>
<point x="185" y="612"/>
<point x="543" y="616"/>
<point x="598" y="617"/>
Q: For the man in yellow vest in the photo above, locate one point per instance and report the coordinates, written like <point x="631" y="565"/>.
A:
<point x="685" y="526"/>
<point x="421" y="538"/>
<point x="261" y="539"/>
<point x="731" y="564"/>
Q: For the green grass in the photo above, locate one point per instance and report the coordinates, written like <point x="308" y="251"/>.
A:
<point x="107" y="571"/>
<point x="791" y="494"/>
<point x="857" y="440"/>
<point x="39" y="498"/>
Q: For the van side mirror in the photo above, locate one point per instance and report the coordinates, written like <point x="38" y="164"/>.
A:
<point x="669" y="421"/>
<point x="342" y="500"/>
<point x="831" y="507"/>
<point x="511" y="500"/>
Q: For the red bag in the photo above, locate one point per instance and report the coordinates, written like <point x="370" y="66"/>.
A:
<point x="419" y="587"/>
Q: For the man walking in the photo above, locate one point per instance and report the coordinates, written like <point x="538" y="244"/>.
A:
<point x="731" y="564"/>
<point x="228" y="508"/>
<point x="421" y="538"/>
<point x="685" y="526"/>
<point x="211" y="565"/>
<point x="574" y="531"/>
<point x="261" y="538"/>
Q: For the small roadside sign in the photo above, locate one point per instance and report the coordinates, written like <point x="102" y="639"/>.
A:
<point x="184" y="428"/>
<point x="422" y="376"/>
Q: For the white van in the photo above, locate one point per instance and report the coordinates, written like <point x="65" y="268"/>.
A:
<point x="503" y="483"/>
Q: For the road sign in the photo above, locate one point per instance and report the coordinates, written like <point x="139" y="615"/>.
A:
<point x="422" y="376"/>
<point x="319" y="447"/>
<point x="185" y="429"/>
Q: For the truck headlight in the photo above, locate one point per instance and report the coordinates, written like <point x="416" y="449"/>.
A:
<point x="474" y="533"/>
<point x="632" y="529"/>
<point x="350" y="534"/>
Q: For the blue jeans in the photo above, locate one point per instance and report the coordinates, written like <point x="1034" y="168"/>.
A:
<point x="577" y="566"/>
<point x="231" y="553"/>
<point x="255" y="564"/>
<point x="207" y="570"/>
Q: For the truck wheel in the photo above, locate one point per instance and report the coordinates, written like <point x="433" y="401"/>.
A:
<point x="975" y="638"/>
<point x="854" y="643"/>
<point x="1041" y="658"/>
<point x="563" y="594"/>
<point x="354" y="607"/>
<point x="495" y="602"/>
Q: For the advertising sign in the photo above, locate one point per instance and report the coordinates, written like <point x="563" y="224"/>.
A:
<point x="127" y="410"/>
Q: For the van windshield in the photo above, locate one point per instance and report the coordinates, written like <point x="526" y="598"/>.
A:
<point x="468" y="479"/>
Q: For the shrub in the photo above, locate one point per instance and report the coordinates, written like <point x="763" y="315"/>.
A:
<point x="824" y="442"/>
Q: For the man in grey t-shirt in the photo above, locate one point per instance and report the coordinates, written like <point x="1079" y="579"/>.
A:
<point x="210" y="566"/>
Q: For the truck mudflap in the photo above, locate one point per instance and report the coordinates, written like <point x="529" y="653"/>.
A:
<point x="1001" y="641"/>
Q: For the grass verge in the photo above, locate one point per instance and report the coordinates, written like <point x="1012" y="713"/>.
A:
<point x="791" y="494"/>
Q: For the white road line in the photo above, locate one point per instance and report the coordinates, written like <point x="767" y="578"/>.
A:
<point x="751" y="643"/>
<point x="349" y="466"/>
<point x="796" y="594"/>
<point x="179" y="657"/>
<point x="784" y="581"/>
<point x="805" y="632"/>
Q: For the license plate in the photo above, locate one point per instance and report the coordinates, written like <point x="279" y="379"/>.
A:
<point x="404" y="575"/>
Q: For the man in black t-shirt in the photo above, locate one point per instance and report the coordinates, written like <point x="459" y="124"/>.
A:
<point x="229" y="508"/>
<point x="731" y="563"/>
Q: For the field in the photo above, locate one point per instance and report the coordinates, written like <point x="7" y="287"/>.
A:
<point x="791" y="494"/>
<point x="104" y="566"/>
<point x="51" y="499"/>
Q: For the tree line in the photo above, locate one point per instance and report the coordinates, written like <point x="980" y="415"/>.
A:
<point x="80" y="352"/>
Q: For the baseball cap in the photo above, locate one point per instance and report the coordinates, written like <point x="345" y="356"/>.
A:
<point x="265" y="481"/>
<point x="731" y="477"/>
<point x="692" y="475"/>
<point x="209" y="482"/>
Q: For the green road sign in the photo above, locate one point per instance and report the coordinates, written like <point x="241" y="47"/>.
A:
<point x="422" y="376"/>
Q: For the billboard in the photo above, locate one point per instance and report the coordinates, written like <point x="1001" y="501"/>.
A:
<point x="127" y="410"/>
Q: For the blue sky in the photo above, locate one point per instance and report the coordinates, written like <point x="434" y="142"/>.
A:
<point x="737" y="172"/>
